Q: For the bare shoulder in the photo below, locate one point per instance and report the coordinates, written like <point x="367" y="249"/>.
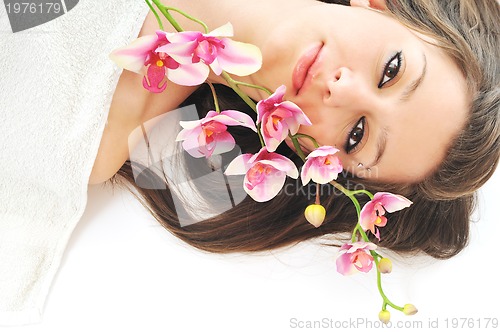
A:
<point x="131" y="106"/>
<point x="112" y="154"/>
<point x="126" y="107"/>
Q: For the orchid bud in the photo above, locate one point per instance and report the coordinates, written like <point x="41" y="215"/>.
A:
<point x="409" y="309"/>
<point x="385" y="265"/>
<point x="315" y="214"/>
<point x="384" y="316"/>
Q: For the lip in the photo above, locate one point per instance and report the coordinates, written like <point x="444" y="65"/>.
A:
<point x="304" y="64"/>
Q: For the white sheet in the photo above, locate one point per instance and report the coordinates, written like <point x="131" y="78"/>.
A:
<point x="123" y="272"/>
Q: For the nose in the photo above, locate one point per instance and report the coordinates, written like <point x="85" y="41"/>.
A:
<point x="344" y="88"/>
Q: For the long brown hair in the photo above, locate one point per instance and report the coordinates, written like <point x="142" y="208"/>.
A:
<point x="438" y="221"/>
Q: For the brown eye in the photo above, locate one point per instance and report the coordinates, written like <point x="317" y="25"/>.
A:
<point x="391" y="69"/>
<point x="355" y="135"/>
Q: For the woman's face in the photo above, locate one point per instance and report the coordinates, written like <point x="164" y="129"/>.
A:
<point x="390" y="102"/>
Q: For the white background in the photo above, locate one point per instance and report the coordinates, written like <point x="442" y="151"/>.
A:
<point x="123" y="272"/>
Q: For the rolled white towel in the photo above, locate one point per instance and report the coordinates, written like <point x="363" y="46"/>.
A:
<point x="56" y="87"/>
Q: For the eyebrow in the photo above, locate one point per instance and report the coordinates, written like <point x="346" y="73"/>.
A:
<point x="410" y="89"/>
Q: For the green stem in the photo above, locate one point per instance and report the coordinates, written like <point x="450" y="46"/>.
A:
<point x="298" y="148"/>
<point x="364" y="236"/>
<point x="376" y="257"/>
<point x="316" y="145"/>
<point x="262" y="143"/>
<point x="359" y="192"/>
<point x="348" y="193"/>
<point x="164" y="11"/>
<point x="258" y="87"/>
<point x="317" y="194"/>
<point x="351" y="194"/>
<point x="186" y="15"/>
<point x="234" y="85"/>
<point x="216" y="100"/>
<point x="381" y="291"/>
<point x="360" y="230"/>
<point x="160" y="24"/>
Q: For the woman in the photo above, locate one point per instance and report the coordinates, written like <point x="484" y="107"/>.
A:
<point x="407" y="90"/>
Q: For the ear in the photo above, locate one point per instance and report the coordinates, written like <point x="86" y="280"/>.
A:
<point x="373" y="4"/>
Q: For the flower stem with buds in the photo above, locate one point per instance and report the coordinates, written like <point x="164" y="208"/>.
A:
<point x="315" y="213"/>
<point x="385" y="299"/>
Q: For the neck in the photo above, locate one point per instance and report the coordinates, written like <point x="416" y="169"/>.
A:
<point x="216" y="13"/>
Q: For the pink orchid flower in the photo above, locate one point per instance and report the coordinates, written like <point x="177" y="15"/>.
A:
<point x="355" y="257"/>
<point x="208" y="136"/>
<point x="279" y="117"/>
<point x="142" y="57"/>
<point x="265" y="173"/>
<point x="372" y="214"/>
<point x="215" y="49"/>
<point x="322" y="166"/>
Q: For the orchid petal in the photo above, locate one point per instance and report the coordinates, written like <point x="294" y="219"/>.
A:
<point x="183" y="37"/>
<point x="392" y="202"/>
<point x="361" y="245"/>
<point x="268" y="188"/>
<point x="191" y="129"/>
<point x="271" y="143"/>
<point x="133" y="56"/>
<point x="275" y="160"/>
<point x="225" y="30"/>
<point x="216" y="67"/>
<point x="155" y="80"/>
<point x="278" y="118"/>
<point x="190" y="124"/>
<point x="285" y="165"/>
<point x="364" y="262"/>
<point x="265" y="173"/>
<point x="319" y="175"/>
<point x="365" y="215"/>
<point x="322" y="151"/>
<point x="189" y="75"/>
<point x="225" y="143"/>
<point x="192" y="146"/>
<point x="355" y="257"/>
<point x="321" y="166"/>
<point x="371" y="211"/>
<point x="237" y="118"/>
<point x="239" y="165"/>
<point x="344" y="265"/>
<point x="238" y="58"/>
<point x="180" y="52"/>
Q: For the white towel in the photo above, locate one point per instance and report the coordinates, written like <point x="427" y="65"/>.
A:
<point x="56" y="86"/>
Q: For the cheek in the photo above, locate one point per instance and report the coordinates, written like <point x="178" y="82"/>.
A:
<point x="328" y="123"/>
